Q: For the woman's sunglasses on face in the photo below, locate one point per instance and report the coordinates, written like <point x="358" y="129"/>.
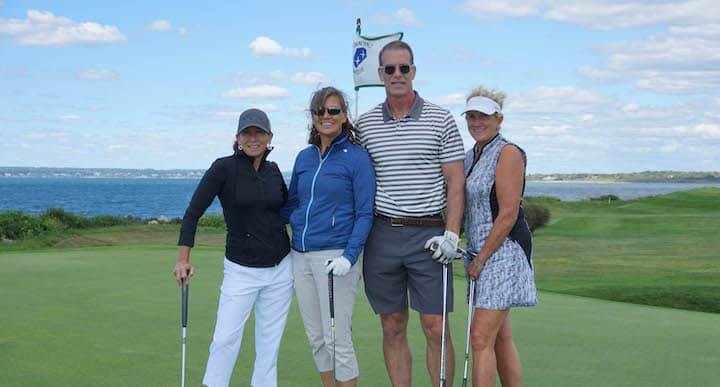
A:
<point x="333" y="111"/>
<point x="390" y="69"/>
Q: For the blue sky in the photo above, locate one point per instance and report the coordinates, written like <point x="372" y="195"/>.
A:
<point x="593" y="86"/>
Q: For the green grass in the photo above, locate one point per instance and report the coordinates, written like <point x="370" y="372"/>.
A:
<point x="660" y="250"/>
<point x="98" y="307"/>
<point x="110" y="316"/>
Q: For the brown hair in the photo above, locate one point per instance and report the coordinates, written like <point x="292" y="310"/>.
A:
<point x="396" y="45"/>
<point x="318" y="102"/>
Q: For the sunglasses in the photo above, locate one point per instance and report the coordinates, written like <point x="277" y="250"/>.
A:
<point x="390" y="69"/>
<point x="333" y="111"/>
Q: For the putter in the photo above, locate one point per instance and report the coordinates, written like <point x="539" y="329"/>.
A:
<point x="469" y="255"/>
<point x="331" y="297"/>
<point x="471" y="309"/>
<point x="444" y="317"/>
<point x="434" y="247"/>
<point x="471" y="302"/>
<point x="185" y="290"/>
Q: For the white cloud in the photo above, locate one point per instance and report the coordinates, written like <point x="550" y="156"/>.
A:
<point x="450" y="100"/>
<point x="703" y="31"/>
<point x="556" y="99"/>
<point x="310" y="78"/>
<point x="160" y="25"/>
<point x="484" y="9"/>
<point x="44" y="29"/>
<point x="406" y="17"/>
<point x="544" y="130"/>
<point x="402" y="17"/>
<point x="264" y="46"/>
<point x="254" y="77"/>
<point x="598" y="74"/>
<point x="670" y="148"/>
<point x="600" y="14"/>
<point x="261" y="91"/>
<point x="97" y="74"/>
<point x="680" y="61"/>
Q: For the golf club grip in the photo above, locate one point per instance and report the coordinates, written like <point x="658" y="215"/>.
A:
<point x="185" y="290"/>
<point x="331" y="296"/>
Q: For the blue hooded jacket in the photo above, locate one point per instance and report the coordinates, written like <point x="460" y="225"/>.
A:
<point x="331" y="199"/>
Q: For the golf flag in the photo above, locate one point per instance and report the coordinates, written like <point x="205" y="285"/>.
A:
<point x="365" y="57"/>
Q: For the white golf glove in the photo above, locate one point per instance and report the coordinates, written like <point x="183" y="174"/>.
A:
<point x="444" y="246"/>
<point x="338" y="266"/>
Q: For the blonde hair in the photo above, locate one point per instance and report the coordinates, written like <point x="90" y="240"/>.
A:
<point x="495" y="95"/>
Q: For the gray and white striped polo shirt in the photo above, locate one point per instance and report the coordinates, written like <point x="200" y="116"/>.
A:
<point x="407" y="154"/>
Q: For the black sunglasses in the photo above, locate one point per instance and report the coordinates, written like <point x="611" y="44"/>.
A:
<point x="333" y="111"/>
<point x="390" y="69"/>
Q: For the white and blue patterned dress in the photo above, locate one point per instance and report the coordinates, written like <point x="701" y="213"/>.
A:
<point x="507" y="279"/>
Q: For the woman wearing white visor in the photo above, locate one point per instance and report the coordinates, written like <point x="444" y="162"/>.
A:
<point x="496" y="229"/>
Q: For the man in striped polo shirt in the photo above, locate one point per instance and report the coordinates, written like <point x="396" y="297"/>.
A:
<point x="418" y="155"/>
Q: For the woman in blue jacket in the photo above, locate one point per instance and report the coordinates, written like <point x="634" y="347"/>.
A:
<point x="330" y="204"/>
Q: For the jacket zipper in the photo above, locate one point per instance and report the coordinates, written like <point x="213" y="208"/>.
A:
<point x="312" y="192"/>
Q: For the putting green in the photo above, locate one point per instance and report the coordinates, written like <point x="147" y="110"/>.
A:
<point x="110" y="316"/>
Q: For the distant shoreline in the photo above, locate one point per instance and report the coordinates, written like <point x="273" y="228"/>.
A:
<point x="700" y="177"/>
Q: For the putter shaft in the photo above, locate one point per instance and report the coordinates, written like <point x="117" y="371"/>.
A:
<point x="331" y="298"/>
<point x="184" y="318"/>
<point x="471" y="309"/>
<point x="444" y="317"/>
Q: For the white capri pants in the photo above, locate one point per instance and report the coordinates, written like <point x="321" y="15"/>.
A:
<point x="269" y="291"/>
<point x="311" y="288"/>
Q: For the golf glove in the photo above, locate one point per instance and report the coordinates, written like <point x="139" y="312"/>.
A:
<point x="444" y="246"/>
<point x="338" y="266"/>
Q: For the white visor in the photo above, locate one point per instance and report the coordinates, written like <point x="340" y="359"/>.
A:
<point x="482" y="105"/>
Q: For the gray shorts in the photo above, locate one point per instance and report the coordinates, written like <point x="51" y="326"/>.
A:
<point x="395" y="262"/>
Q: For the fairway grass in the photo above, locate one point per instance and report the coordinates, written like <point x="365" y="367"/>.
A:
<point x="661" y="250"/>
<point x="110" y="316"/>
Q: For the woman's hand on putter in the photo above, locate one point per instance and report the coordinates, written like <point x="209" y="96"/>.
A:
<point x="183" y="270"/>
<point x="475" y="267"/>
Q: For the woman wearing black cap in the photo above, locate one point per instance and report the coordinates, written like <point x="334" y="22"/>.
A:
<point x="258" y="272"/>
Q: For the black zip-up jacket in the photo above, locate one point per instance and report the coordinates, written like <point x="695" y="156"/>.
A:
<point x="251" y="202"/>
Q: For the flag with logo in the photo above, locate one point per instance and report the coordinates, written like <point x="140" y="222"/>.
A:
<point x="365" y="57"/>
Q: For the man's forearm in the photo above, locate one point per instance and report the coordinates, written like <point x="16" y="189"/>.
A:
<point x="455" y="203"/>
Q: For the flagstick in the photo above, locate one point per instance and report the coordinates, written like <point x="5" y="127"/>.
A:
<point x="355" y="117"/>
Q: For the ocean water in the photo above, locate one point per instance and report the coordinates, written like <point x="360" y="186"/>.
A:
<point x="148" y="198"/>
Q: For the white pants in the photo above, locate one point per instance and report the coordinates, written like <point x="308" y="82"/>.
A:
<point x="311" y="287"/>
<point x="269" y="290"/>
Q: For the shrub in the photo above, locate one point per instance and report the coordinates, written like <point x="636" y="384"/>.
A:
<point x="68" y="219"/>
<point x="52" y="224"/>
<point x="212" y="220"/>
<point x="536" y="215"/>
<point x="109" y="220"/>
<point x="17" y="225"/>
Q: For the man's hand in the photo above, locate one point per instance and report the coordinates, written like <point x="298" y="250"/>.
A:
<point x="338" y="266"/>
<point x="445" y="247"/>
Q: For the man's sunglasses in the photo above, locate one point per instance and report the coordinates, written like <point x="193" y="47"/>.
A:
<point x="390" y="69"/>
<point x="333" y="111"/>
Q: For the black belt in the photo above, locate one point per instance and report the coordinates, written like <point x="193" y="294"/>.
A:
<point x="432" y="220"/>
